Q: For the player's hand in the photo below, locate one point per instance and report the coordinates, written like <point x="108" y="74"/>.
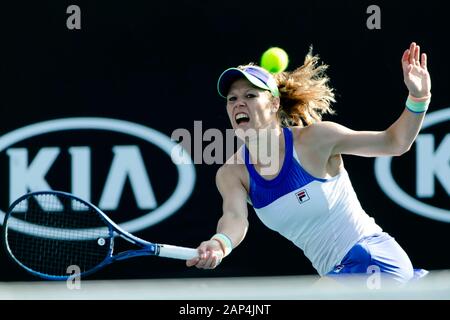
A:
<point x="415" y="73"/>
<point x="210" y="255"/>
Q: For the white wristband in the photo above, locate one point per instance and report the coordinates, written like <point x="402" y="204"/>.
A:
<point x="225" y="243"/>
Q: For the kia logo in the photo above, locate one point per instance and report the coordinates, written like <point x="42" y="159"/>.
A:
<point x="127" y="164"/>
<point x="431" y="161"/>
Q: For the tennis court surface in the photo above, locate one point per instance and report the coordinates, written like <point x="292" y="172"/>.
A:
<point x="435" y="286"/>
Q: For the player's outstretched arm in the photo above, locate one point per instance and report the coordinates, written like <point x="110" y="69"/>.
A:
<point x="398" y="138"/>
<point x="233" y="224"/>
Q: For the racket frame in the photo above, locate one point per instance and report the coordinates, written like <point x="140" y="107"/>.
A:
<point x="147" y="248"/>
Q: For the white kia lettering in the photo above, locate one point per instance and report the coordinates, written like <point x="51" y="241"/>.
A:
<point x="127" y="163"/>
<point x="431" y="163"/>
<point x="81" y="172"/>
<point x="24" y="177"/>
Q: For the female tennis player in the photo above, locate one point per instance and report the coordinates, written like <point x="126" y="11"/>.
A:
<point x="309" y="199"/>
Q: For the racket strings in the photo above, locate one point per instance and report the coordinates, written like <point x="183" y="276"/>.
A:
<point x="49" y="233"/>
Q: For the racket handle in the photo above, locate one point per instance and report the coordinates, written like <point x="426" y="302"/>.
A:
<point x="176" y="252"/>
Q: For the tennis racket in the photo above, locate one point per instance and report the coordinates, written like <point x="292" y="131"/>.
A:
<point x="47" y="232"/>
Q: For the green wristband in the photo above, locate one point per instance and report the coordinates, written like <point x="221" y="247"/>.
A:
<point x="418" y="105"/>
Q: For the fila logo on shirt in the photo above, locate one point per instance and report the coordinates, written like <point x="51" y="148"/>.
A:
<point x="302" y="196"/>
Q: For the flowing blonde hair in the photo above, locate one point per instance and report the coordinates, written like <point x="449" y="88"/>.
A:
<point x="305" y="94"/>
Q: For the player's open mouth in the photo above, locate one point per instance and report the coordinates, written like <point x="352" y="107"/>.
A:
<point x="241" y="117"/>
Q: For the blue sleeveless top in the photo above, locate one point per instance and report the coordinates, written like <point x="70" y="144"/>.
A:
<point x="291" y="177"/>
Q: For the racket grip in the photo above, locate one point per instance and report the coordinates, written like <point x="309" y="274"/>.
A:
<point x="175" y="252"/>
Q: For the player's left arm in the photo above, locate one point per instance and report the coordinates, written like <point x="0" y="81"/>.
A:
<point x="399" y="137"/>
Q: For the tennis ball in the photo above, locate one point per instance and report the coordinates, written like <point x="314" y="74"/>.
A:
<point x="274" y="60"/>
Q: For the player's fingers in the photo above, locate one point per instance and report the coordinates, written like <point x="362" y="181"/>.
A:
<point x="405" y="57"/>
<point x="217" y="260"/>
<point x="202" y="250"/>
<point x="205" y="246"/>
<point x="417" y="55"/>
<point x="423" y="63"/>
<point x="210" y="262"/>
<point x="192" y="262"/>
<point x="412" y="49"/>
<point x="405" y="62"/>
<point x="202" y="263"/>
